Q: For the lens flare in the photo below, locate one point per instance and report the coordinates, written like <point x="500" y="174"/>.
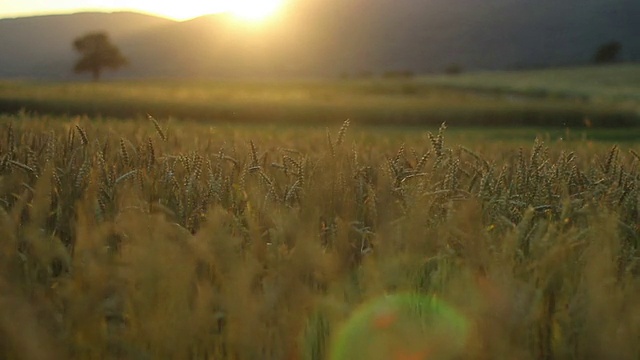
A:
<point x="402" y="327"/>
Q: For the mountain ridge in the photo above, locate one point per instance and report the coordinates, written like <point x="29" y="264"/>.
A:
<point x="313" y="39"/>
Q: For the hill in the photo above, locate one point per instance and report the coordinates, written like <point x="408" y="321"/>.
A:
<point x="40" y="46"/>
<point x="354" y="36"/>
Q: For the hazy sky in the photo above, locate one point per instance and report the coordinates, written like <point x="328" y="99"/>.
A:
<point x="176" y="9"/>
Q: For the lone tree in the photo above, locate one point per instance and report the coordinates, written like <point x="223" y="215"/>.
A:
<point x="607" y="53"/>
<point x="97" y="53"/>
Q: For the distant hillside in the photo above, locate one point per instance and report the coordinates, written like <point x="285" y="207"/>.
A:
<point x="41" y="46"/>
<point x="350" y="36"/>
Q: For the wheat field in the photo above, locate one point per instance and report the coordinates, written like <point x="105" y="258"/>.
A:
<point x="143" y="239"/>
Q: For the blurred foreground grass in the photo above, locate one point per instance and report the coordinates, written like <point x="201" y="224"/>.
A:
<point x="141" y="239"/>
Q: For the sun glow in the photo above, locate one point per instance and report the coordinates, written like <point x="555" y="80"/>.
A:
<point x="254" y="10"/>
<point x="244" y="10"/>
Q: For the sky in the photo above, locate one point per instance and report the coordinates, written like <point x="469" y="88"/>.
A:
<point x="173" y="9"/>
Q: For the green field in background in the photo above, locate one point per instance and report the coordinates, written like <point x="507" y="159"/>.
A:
<point x="576" y="98"/>
<point x="600" y="84"/>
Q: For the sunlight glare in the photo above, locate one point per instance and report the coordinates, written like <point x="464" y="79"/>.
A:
<point x="245" y="10"/>
<point x="178" y="10"/>
<point x="254" y="10"/>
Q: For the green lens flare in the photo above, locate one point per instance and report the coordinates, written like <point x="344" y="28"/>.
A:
<point x="402" y="327"/>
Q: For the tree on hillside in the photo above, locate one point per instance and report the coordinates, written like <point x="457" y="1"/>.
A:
<point x="453" y="69"/>
<point x="98" y="53"/>
<point x="607" y="53"/>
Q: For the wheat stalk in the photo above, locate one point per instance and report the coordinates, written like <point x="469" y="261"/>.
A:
<point x="342" y="132"/>
<point x="83" y="135"/>
<point x="156" y="125"/>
